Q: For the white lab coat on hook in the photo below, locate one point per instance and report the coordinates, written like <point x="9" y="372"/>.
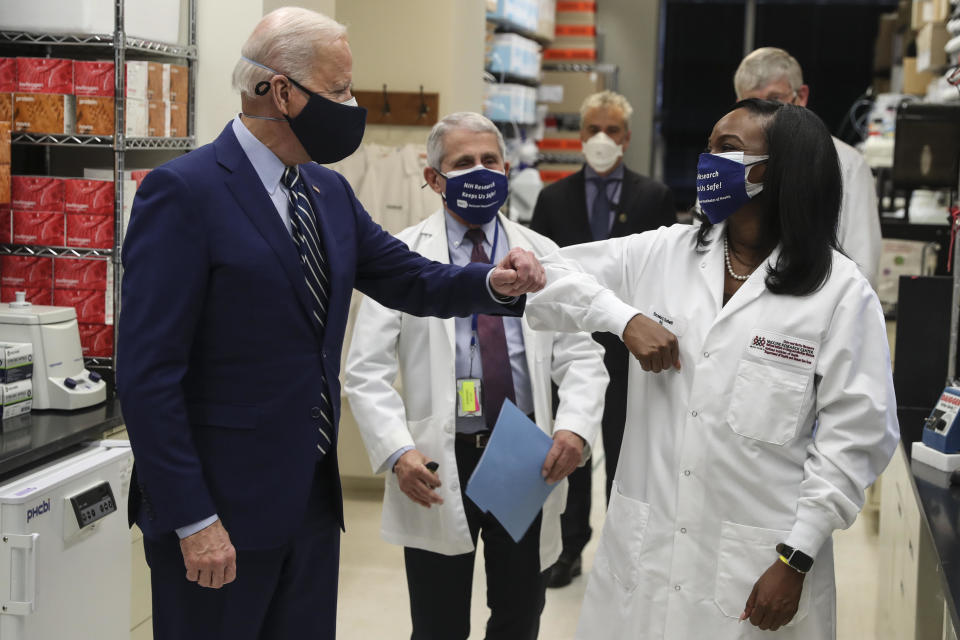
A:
<point x="781" y="416"/>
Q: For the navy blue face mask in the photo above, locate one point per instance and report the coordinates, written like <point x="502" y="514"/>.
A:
<point x="476" y="194"/>
<point x="328" y="131"/>
<point x="722" y="186"/>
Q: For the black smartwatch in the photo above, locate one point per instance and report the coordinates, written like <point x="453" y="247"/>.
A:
<point x="795" y="558"/>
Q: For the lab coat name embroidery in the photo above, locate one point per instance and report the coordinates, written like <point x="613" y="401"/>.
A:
<point x="663" y="320"/>
<point x="783" y="349"/>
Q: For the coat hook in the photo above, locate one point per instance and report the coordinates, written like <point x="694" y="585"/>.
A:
<point x="424" y="109"/>
<point x="386" y="102"/>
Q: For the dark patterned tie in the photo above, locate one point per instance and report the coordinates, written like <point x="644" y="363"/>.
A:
<point x="494" y="356"/>
<point x="600" y="217"/>
<point x="314" y="263"/>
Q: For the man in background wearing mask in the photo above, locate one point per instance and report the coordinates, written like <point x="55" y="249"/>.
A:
<point x="239" y="265"/>
<point x="603" y="200"/>
<point x="436" y="418"/>
<point x="770" y="73"/>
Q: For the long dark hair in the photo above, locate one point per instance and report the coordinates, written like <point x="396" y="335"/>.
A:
<point x="801" y="196"/>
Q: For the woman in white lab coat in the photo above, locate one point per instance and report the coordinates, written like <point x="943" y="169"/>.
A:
<point x="761" y="404"/>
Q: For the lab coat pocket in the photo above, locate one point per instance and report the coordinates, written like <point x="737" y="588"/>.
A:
<point x="766" y="402"/>
<point x="743" y="555"/>
<point x="622" y="541"/>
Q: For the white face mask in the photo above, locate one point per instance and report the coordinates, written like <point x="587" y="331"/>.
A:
<point x="752" y="188"/>
<point x="602" y="152"/>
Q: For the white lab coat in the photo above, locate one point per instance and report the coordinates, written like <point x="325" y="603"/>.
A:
<point x="781" y="416"/>
<point x="423" y="415"/>
<point x="859" y="229"/>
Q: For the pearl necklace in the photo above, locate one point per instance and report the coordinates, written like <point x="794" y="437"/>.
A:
<point x="726" y="259"/>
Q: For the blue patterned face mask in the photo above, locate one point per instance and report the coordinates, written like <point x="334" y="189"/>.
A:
<point x="722" y="185"/>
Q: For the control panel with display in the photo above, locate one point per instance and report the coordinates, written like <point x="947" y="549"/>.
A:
<point x="93" y="504"/>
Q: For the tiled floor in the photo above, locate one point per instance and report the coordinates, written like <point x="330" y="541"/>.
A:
<point x="373" y="592"/>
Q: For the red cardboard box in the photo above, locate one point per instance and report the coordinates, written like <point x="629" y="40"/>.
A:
<point x="45" y="75"/>
<point x="90" y="232"/>
<point x="138" y="175"/>
<point x="37" y="193"/>
<point x="26" y="272"/>
<point x="38" y="227"/>
<point x="92" y="197"/>
<point x="8" y="75"/>
<point x="35" y="295"/>
<point x="77" y="273"/>
<point x="91" y="305"/>
<point x="93" y="78"/>
<point x="6" y="226"/>
<point x="96" y="340"/>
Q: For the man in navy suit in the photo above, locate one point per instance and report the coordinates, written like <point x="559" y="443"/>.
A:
<point x="240" y="261"/>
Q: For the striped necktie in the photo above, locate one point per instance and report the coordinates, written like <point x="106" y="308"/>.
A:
<point x="314" y="262"/>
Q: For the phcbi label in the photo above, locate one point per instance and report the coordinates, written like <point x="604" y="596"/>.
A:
<point x="782" y="349"/>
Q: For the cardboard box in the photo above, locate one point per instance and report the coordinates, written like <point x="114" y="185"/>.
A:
<point x="17" y="398"/>
<point x="565" y="91"/>
<point x="158" y="122"/>
<point x="883" y="47"/>
<point x="915" y="82"/>
<point x="926" y="11"/>
<point x="38" y="193"/>
<point x="6" y="107"/>
<point x="16" y="361"/>
<point x="93" y="307"/>
<point x="154" y="81"/>
<point x="44" y="113"/>
<point x="931" y="41"/>
<point x="90" y="232"/>
<point x="78" y="273"/>
<point x="86" y="196"/>
<point x="94" y="78"/>
<point x="177" y="120"/>
<point x="6" y="226"/>
<point x="553" y="172"/>
<point x="95" y="116"/>
<point x="96" y="340"/>
<point x="26" y="272"/>
<point x="176" y="82"/>
<point x="8" y="75"/>
<point x="38" y="228"/>
<point x="45" y="75"/>
<point x="576" y="13"/>
<point x="35" y="295"/>
<point x="547" y="19"/>
<point x="136" y="79"/>
<point x="6" y="194"/>
<point x="5" y="129"/>
<point x="137" y="118"/>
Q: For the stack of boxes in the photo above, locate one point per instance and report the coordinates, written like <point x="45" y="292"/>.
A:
<point x="923" y="25"/>
<point x="514" y="55"/>
<point x="575" y="33"/>
<point x="61" y="96"/>
<point x="16" y="378"/>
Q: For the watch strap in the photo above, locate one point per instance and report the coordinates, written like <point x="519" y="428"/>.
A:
<point x="795" y="558"/>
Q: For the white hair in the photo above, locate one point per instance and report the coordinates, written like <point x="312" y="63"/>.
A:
<point x="461" y="120"/>
<point x="607" y="100"/>
<point x="287" y="40"/>
<point x="766" y="65"/>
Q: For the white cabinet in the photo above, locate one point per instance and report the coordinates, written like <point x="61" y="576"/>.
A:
<point x="910" y="598"/>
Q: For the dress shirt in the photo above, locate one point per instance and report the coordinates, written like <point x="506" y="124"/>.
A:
<point x="614" y="187"/>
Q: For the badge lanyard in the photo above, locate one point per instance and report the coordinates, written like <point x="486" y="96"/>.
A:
<point x="474" y="320"/>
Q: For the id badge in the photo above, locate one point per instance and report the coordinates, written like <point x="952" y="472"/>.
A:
<point x="468" y="398"/>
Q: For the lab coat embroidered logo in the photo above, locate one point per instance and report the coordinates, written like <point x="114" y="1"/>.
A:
<point x="758" y="343"/>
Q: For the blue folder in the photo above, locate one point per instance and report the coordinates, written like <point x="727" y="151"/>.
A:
<point x="507" y="480"/>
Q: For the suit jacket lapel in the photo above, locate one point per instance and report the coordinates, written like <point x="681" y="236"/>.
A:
<point x="622" y="211"/>
<point x="247" y="190"/>
<point x="578" y="204"/>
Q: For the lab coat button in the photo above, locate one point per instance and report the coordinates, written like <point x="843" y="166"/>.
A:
<point x="706" y="354"/>
<point x="683" y="529"/>
<point x="694" y="413"/>
<point x="677" y="587"/>
<point x="454" y="487"/>
<point x="703" y="265"/>
<point x="315" y="412"/>
<point x="686" y="472"/>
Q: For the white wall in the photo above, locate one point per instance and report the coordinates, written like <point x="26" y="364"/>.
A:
<point x="630" y="32"/>
<point x="436" y="43"/>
